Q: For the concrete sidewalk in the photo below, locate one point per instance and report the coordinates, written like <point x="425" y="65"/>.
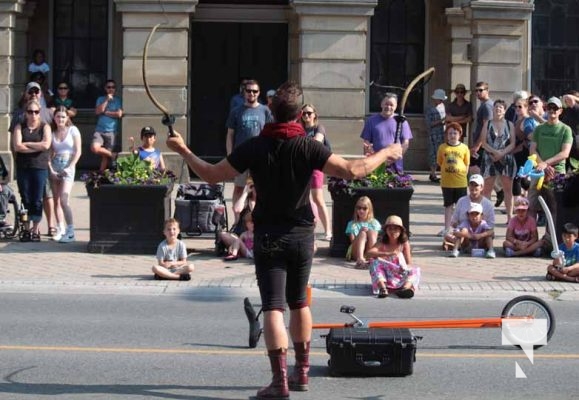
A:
<point x="50" y="266"/>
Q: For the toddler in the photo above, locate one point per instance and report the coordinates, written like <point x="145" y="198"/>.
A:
<point x="390" y="260"/>
<point x="362" y="230"/>
<point x="172" y="255"/>
<point x="474" y="233"/>
<point x="570" y="248"/>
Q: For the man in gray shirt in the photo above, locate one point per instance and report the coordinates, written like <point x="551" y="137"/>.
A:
<point x="243" y="123"/>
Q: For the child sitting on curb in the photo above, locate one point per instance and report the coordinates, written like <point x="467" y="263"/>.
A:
<point x="172" y="255"/>
<point x="363" y="231"/>
<point x="474" y="233"/>
<point x="390" y="268"/>
<point x="522" y="236"/>
<point x="570" y="248"/>
<point x="242" y="244"/>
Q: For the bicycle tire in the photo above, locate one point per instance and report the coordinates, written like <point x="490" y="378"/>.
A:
<point x="530" y="306"/>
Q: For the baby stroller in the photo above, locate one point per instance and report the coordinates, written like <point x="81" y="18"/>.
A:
<point x="200" y="210"/>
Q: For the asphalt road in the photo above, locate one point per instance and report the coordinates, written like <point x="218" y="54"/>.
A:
<point x="71" y="346"/>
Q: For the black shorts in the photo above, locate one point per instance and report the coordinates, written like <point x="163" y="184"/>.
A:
<point x="283" y="263"/>
<point x="476" y="161"/>
<point x="451" y="195"/>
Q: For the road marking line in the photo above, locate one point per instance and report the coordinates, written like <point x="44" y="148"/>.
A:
<point x="259" y="351"/>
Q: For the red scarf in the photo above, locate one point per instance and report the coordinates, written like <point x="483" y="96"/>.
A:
<point x="283" y="130"/>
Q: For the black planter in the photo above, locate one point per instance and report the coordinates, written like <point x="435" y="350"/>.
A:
<point x="128" y="219"/>
<point x="385" y="202"/>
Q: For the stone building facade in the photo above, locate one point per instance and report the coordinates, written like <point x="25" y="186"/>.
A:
<point x="203" y="48"/>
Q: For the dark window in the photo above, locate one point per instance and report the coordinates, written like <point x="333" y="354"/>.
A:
<point x="397" y="51"/>
<point x="555" y="47"/>
<point x="80" y="48"/>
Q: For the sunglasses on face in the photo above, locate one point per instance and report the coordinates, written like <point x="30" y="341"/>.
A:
<point x="33" y="91"/>
<point x="308" y="113"/>
<point x="31" y="112"/>
<point x="479" y="90"/>
<point x="361" y="208"/>
<point x="252" y="91"/>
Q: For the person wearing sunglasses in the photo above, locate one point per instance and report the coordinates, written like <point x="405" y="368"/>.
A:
<point x="537" y="109"/>
<point x="31" y="141"/>
<point x="316" y="131"/>
<point x="243" y="123"/>
<point x="551" y="143"/>
<point x="281" y="161"/>
<point x="484" y="113"/>
<point x="109" y="109"/>
<point x="62" y="99"/>
<point x="459" y="110"/>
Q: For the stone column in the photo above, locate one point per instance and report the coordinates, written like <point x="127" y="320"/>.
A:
<point x="167" y="66"/>
<point x="328" y="58"/>
<point x="500" y="45"/>
<point x="13" y="27"/>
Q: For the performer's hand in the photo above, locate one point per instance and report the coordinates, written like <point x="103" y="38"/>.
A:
<point x="177" y="144"/>
<point x="395" y="150"/>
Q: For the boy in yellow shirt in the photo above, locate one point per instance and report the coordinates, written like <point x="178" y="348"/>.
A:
<point x="453" y="157"/>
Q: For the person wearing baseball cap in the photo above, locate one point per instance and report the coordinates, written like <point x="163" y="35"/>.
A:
<point x="391" y="267"/>
<point x="551" y="143"/>
<point x="435" y="117"/>
<point x="522" y="237"/>
<point x="474" y="233"/>
<point x="463" y="205"/>
<point x="460" y="110"/>
<point x="147" y="150"/>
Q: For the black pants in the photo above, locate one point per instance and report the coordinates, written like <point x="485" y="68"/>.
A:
<point x="283" y="263"/>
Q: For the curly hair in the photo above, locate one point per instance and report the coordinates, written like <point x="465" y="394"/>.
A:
<point x="286" y="104"/>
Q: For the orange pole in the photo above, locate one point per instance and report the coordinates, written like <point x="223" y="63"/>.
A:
<point x="426" y="324"/>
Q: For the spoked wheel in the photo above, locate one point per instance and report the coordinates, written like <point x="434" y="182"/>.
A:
<point x="525" y="310"/>
<point x="11" y="228"/>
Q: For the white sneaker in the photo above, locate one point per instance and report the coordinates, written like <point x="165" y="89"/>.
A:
<point x="58" y="235"/>
<point x="454" y="253"/>
<point x="490" y="254"/>
<point x="68" y="236"/>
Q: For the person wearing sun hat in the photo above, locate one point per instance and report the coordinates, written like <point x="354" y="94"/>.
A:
<point x="474" y="233"/>
<point x="551" y="142"/>
<point x="435" y="117"/>
<point x="391" y="267"/>
<point x="459" y="110"/>
<point x="522" y="237"/>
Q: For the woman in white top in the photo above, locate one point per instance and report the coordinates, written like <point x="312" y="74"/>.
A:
<point x="65" y="152"/>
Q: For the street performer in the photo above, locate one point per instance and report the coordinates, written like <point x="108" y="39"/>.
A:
<point x="281" y="161"/>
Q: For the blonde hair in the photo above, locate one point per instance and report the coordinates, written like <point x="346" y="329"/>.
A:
<point x="171" y="221"/>
<point x="364" y="201"/>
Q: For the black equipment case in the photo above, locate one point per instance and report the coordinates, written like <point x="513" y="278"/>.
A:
<point x="371" y="351"/>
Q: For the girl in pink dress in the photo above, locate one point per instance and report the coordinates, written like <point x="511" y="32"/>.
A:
<point x="391" y="259"/>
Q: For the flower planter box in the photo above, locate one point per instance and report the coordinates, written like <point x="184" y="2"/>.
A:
<point x="128" y="219"/>
<point x="386" y="201"/>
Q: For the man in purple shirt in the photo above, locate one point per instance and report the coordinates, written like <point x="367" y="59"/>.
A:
<point x="380" y="129"/>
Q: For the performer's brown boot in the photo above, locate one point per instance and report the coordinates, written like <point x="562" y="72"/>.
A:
<point x="298" y="381"/>
<point x="278" y="388"/>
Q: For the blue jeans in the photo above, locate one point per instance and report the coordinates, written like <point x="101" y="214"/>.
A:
<point x="31" y="182"/>
<point x="283" y="263"/>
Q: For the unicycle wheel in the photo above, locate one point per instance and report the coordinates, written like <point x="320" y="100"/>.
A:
<point x="525" y="310"/>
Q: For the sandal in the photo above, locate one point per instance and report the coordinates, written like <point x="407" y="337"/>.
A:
<point x="35" y="237"/>
<point x="231" y="257"/>
<point x="382" y="293"/>
<point x="51" y="231"/>
<point x="361" y="264"/>
<point x="405" y="293"/>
